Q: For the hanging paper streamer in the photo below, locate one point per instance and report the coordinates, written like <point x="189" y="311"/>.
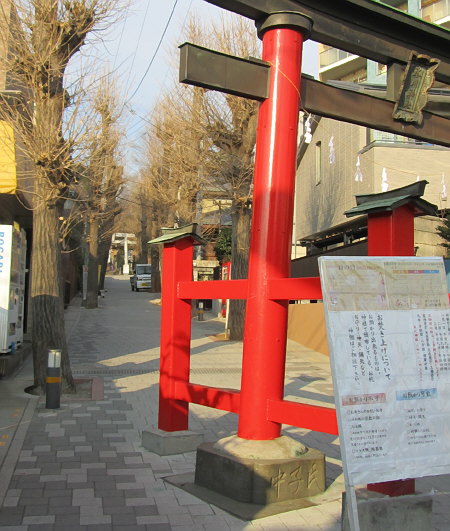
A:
<point x="384" y="181"/>
<point x="308" y="134"/>
<point x="358" y="172"/>
<point x="443" y="189"/>
<point x="332" y="154"/>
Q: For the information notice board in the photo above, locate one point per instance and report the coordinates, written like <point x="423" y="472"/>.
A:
<point x="388" y="325"/>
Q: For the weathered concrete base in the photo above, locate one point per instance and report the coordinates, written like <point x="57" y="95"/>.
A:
<point x="245" y="511"/>
<point x="169" y="443"/>
<point x="378" y="512"/>
<point x="260" y="472"/>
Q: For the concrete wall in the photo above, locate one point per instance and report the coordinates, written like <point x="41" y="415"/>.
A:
<point x="320" y="203"/>
<point x="426" y="239"/>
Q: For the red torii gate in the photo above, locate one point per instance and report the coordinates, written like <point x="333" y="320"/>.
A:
<point x="390" y="233"/>
<point x="268" y="289"/>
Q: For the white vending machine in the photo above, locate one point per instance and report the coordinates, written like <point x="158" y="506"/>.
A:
<point x="13" y="249"/>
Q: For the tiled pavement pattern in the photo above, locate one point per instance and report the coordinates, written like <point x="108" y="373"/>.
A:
<point x="82" y="467"/>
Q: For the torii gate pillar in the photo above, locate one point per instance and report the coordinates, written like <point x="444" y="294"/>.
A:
<point x="264" y="350"/>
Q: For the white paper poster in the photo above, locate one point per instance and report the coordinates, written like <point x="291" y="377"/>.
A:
<point x="388" y="324"/>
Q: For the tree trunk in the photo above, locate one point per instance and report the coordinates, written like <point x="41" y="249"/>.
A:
<point x="156" y="272"/>
<point x="46" y="293"/>
<point x="143" y="236"/>
<point x="103" y="255"/>
<point x="92" y="281"/>
<point x="240" y="242"/>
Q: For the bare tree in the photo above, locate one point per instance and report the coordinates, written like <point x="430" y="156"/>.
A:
<point x="203" y="142"/>
<point x="49" y="34"/>
<point x="103" y="181"/>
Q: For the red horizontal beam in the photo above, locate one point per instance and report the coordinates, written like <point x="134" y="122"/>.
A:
<point x="279" y="289"/>
<point x="213" y="289"/>
<point x="223" y="399"/>
<point x="292" y="289"/>
<point x="306" y="416"/>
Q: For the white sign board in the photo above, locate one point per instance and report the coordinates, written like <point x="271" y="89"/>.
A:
<point x="388" y="325"/>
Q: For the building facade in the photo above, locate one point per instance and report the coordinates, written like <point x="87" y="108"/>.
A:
<point x="339" y="160"/>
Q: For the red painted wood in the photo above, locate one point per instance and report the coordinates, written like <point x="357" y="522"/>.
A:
<point x="264" y="350"/>
<point x="400" y="487"/>
<point x="391" y="233"/>
<point x="213" y="289"/>
<point x="293" y="289"/>
<point x="306" y="416"/>
<point x="223" y="399"/>
<point x="175" y="335"/>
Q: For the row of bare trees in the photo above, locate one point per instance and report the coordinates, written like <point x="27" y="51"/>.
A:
<point x="72" y="146"/>
<point x="200" y="144"/>
<point x="69" y="127"/>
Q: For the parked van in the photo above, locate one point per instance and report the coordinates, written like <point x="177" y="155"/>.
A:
<point x="142" y="278"/>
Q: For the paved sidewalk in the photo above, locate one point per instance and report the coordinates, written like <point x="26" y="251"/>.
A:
<point x="82" y="467"/>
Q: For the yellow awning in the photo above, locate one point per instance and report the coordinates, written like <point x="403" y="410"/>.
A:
<point x="8" y="178"/>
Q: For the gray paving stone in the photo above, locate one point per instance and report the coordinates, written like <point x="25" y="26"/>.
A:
<point x="52" y="478"/>
<point x="29" y="520"/>
<point x="92" y="520"/>
<point x="69" y="519"/>
<point x="60" y="501"/>
<point x="10" y="519"/>
<point x="83" y="448"/>
<point x="159" y="527"/>
<point x="32" y="492"/>
<point x="36" y="510"/>
<point x="134" y="493"/>
<point x="65" y="510"/>
<point x="146" y="510"/>
<point x="33" y="501"/>
<point x="72" y="464"/>
<point x="129" y="527"/>
<point x="123" y="519"/>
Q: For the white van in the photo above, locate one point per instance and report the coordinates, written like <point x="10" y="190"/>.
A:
<point x="142" y="278"/>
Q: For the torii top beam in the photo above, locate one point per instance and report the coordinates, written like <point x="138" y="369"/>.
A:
<point x="362" y="27"/>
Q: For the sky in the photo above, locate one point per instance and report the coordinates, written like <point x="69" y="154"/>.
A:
<point x="141" y="48"/>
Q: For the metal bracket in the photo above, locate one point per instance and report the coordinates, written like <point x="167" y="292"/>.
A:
<point x="418" y="78"/>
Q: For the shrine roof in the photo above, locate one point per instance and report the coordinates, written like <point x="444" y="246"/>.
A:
<point x="170" y="235"/>
<point x="390" y="200"/>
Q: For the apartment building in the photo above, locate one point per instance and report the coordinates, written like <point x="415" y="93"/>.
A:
<point x="338" y="160"/>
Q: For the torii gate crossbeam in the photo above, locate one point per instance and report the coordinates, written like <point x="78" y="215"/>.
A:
<point x="362" y="27"/>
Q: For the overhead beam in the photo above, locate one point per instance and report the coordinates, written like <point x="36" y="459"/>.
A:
<point x="438" y="99"/>
<point x="362" y="27"/>
<point x="361" y="109"/>
<point x="214" y="70"/>
<point x="248" y="78"/>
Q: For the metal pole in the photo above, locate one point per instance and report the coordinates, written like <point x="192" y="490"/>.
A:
<point x="200" y="311"/>
<point x="53" y="380"/>
<point x="265" y="329"/>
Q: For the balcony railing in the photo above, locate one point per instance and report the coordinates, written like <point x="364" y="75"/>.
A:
<point x="435" y="11"/>
<point x="391" y="138"/>
<point x="333" y="55"/>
